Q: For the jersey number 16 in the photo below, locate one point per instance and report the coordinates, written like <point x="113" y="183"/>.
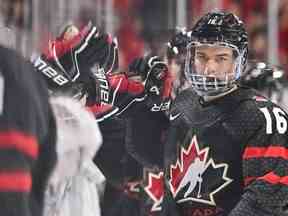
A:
<point x="281" y="122"/>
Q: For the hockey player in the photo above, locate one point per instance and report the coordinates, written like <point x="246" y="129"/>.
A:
<point x="146" y="124"/>
<point x="139" y="106"/>
<point x="268" y="79"/>
<point x="226" y="153"/>
<point x="27" y="137"/>
<point x="176" y="52"/>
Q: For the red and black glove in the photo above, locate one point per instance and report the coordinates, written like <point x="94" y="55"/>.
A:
<point x="148" y="80"/>
<point x="74" y="62"/>
<point x="156" y="79"/>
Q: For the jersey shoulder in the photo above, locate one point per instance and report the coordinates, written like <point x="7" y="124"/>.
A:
<point x="254" y="114"/>
<point x="182" y="105"/>
<point x="24" y="101"/>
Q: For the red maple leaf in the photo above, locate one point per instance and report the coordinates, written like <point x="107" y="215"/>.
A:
<point x="187" y="157"/>
<point x="155" y="189"/>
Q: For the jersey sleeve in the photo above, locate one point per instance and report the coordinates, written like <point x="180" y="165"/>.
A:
<point x="25" y="125"/>
<point x="265" y="165"/>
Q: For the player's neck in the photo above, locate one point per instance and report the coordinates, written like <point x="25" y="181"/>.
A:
<point x="212" y="98"/>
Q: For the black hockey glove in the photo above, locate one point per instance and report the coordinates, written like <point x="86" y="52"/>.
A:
<point x="78" y="63"/>
<point x="156" y="79"/>
<point x="96" y="48"/>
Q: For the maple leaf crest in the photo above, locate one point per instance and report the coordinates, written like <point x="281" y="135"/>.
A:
<point x="187" y="157"/>
<point x="155" y="189"/>
<point x="191" y="171"/>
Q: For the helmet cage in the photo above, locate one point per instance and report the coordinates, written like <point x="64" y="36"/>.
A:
<point x="212" y="85"/>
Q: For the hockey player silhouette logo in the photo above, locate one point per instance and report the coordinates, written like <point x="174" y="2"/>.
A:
<point x="193" y="176"/>
<point x="193" y="172"/>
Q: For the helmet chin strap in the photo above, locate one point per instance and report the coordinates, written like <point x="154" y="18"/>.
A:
<point x="209" y="98"/>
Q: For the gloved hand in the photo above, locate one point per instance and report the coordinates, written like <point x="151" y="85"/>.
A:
<point x="156" y="79"/>
<point x="96" y="48"/>
<point x="88" y="47"/>
<point x="153" y="71"/>
<point x="79" y="60"/>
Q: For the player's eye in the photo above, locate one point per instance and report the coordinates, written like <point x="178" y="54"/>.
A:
<point x="221" y="59"/>
<point x="201" y="58"/>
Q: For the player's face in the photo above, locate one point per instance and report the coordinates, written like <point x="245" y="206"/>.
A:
<point x="217" y="61"/>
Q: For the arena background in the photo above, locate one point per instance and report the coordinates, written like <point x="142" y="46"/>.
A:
<point x="142" y="25"/>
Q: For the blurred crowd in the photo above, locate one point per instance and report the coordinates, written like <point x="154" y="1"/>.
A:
<point x="142" y="26"/>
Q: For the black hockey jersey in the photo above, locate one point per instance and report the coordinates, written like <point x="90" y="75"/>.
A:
<point x="131" y="153"/>
<point x="226" y="157"/>
<point x="27" y="137"/>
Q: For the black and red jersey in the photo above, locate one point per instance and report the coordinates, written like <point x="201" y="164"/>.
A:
<point x="227" y="157"/>
<point x="27" y="137"/>
<point x="132" y="148"/>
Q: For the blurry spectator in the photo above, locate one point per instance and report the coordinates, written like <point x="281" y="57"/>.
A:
<point x="258" y="44"/>
<point x="15" y="12"/>
<point x="131" y="44"/>
<point x="256" y="19"/>
<point x="129" y="30"/>
<point x="252" y="8"/>
<point x="123" y="6"/>
<point x="233" y="6"/>
<point x="253" y="12"/>
<point x="200" y="7"/>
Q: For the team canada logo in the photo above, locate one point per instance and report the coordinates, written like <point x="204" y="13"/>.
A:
<point x="195" y="178"/>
